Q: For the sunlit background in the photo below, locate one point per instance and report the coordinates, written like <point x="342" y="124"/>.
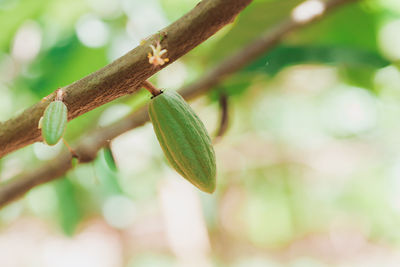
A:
<point x="308" y="172"/>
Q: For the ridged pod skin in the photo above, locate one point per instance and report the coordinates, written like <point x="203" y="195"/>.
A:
<point x="54" y="122"/>
<point x="184" y="139"/>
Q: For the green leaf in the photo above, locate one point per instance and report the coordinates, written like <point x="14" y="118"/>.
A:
<point x="255" y="19"/>
<point x="14" y="15"/>
<point x="284" y="56"/>
<point x="360" y="77"/>
<point x="109" y="158"/>
<point x="58" y="67"/>
<point x="234" y="86"/>
<point x="356" y="67"/>
<point x="107" y="174"/>
<point x="69" y="211"/>
<point x="174" y="9"/>
<point x="350" y="25"/>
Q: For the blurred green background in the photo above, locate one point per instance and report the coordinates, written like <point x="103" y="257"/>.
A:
<point x="308" y="173"/>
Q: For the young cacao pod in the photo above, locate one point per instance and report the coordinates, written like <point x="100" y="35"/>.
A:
<point x="184" y="139"/>
<point x="53" y="122"/>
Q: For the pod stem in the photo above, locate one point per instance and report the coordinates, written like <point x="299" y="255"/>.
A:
<point x="151" y="88"/>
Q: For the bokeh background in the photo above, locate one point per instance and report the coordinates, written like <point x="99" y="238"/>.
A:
<point x="308" y="172"/>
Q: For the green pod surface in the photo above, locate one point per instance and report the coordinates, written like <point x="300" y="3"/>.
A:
<point x="184" y="139"/>
<point x="54" y="122"/>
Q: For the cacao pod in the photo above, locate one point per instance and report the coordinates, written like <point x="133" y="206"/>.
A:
<point x="184" y="139"/>
<point x="54" y="122"/>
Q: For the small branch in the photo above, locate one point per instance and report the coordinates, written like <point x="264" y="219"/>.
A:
<point x="19" y="185"/>
<point x="151" y="88"/>
<point x="88" y="146"/>
<point x="224" y="117"/>
<point x="73" y="154"/>
<point x="125" y="75"/>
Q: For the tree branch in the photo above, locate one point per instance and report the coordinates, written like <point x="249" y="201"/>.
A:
<point x="88" y="147"/>
<point x="125" y="75"/>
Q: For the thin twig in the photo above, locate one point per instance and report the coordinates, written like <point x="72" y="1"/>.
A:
<point x="151" y="88"/>
<point x="73" y="154"/>
<point x="224" y="117"/>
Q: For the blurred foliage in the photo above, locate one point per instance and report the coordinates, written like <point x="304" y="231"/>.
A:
<point x="69" y="211"/>
<point x="308" y="173"/>
<point x="285" y="56"/>
<point x="106" y="172"/>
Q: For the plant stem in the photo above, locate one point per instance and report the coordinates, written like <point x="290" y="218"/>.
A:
<point x="74" y="155"/>
<point x="151" y="88"/>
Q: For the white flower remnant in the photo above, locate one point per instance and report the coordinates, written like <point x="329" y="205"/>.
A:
<point x="156" y="59"/>
<point x="308" y="10"/>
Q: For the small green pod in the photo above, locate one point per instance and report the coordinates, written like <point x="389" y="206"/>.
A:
<point x="184" y="139"/>
<point x="54" y="122"/>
